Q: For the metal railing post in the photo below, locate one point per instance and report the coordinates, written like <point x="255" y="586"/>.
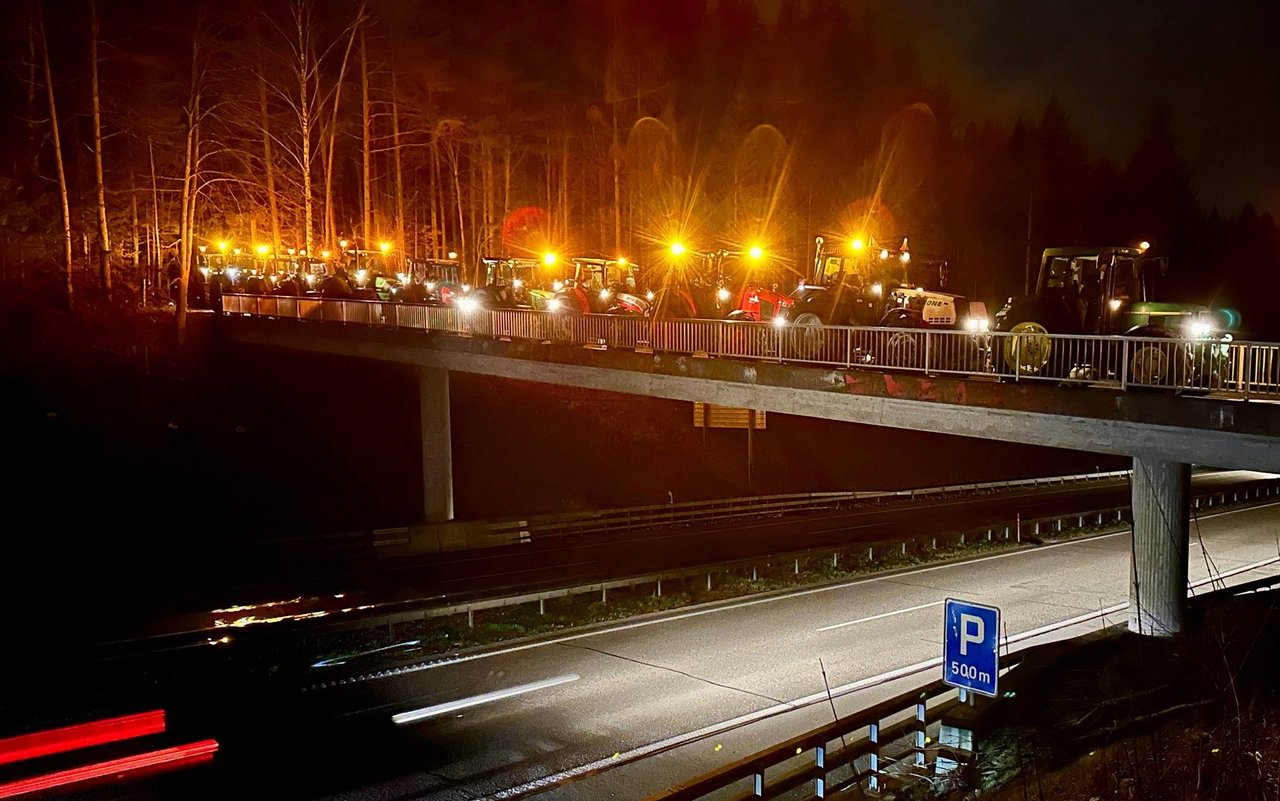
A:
<point x="926" y="352"/>
<point x="848" y="348"/>
<point x="1017" y="357"/>
<point x="820" y="781"/>
<point x="920" y="719"/>
<point x="1124" y="364"/>
<point x="873" y="739"/>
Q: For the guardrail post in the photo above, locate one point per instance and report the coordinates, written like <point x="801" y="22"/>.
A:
<point x="797" y="566"/>
<point x="542" y="606"/>
<point x="659" y="588"/>
<point x="873" y="739"/>
<point x="757" y="784"/>
<point x="708" y="581"/>
<point x="820" y="782"/>
<point x="920" y="734"/>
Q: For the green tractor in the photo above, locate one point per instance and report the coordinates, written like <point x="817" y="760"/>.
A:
<point x="1109" y="291"/>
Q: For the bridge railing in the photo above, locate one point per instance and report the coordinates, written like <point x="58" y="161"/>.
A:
<point x="1246" y="369"/>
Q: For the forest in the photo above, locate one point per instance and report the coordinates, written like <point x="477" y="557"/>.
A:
<point x="144" y="130"/>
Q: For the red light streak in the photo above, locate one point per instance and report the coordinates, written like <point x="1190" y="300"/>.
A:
<point x="81" y="735"/>
<point x="112" y="767"/>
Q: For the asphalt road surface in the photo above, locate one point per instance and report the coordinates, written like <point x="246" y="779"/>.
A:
<point x="505" y="722"/>
<point x="550" y="563"/>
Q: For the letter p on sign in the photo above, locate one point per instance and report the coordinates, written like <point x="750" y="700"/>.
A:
<point x="972" y="632"/>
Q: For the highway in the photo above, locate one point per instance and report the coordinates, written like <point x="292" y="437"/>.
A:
<point x="554" y="562"/>
<point x="564" y="706"/>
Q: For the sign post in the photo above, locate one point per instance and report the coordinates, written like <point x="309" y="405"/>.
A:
<point x="971" y="646"/>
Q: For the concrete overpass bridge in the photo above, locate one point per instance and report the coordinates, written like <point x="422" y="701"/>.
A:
<point x="1165" y="403"/>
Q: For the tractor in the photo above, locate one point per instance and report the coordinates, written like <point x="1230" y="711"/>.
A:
<point x="1109" y="291"/>
<point x="603" y="286"/>
<point x="437" y="282"/>
<point x="721" y="284"/>
<point x="888" y="288"/>
<point x="517" y="283"/>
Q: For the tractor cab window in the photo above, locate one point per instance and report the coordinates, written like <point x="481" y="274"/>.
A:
<point x="1057" y="274"/>
<point x="1125" y="286"/>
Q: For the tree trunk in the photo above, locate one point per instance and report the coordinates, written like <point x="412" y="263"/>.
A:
<point x="614" y="154"/>
<point x="104" y="235"/>
<point x="437" y="208"/>
<point x="268" y="163"/>
<point x="395" y="143"/>
<point x="506" y="190"/>
<point x="473" y="200"/>
<point x="486" y="154"/>
<point x="57" y="156"/>
<point x="303" y="18"/>
<point x="154" y="259"/>
<point x="133" y="208"/>
<point x="366" y="195"/>
<point x="457" y="190"/>
<point x="189" y="167"/>
<point x="564" y="189"/>
<point x="330" y="222"/>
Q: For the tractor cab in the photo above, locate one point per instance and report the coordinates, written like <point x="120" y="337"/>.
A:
<point x="603" y="286"/>
<point x="434" y="281"/>
<point x="517" y="283"/>
<point x="884" y="286"/>
<point x="370" y="274"/>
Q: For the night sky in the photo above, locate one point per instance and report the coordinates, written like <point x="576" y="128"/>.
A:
<point x="1217" y="65"/>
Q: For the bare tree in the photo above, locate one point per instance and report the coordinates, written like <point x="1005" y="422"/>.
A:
<point x="395" y="141"/>
<point x="366" y="196"/>
<point x="331" y="226"/>
<point x="268" y="162"/>
<point x="57" y="154"/>
<point x="190" y="178"/>
<point x="104" y="235"/>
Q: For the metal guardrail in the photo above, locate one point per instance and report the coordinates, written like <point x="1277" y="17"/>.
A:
<point x="689" y="513"/>
<point x="870" y="750"/>
<point x="1030" y="529"/>
<point x="1245" y="369"/>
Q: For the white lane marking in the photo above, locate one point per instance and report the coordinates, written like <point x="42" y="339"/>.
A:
<point x="415" y="715"/>
<point x="773" y="598"/>
<point x="882" y="614"/>
<point x="677" y="740"/>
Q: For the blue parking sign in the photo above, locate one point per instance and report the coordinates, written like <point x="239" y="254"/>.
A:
<point x="971" y="646"/>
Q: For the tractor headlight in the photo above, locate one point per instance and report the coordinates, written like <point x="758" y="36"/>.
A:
<point x="517" y="283"/>
<point x="649" y="295"/>
<point x="722" y="294"/>
<point x="467" y="305"/>
<point x="1198" y="329"/>
<point x="431" y="286"/>
<point x="779" y="320"/>
<point x="604" y="294"/>
<point x="555" y="304"/>
<point x="877" y="290"/>
<point x="977" y="324"/>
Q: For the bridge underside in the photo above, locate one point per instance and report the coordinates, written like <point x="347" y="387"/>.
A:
<point x="1151" y="426"/>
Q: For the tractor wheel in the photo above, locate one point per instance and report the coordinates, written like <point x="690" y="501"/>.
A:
<point x="1029" y="351"/>
<point x="904" y="349"/>
<point x="1160" y="366"/>
<point x="806" y="336"/>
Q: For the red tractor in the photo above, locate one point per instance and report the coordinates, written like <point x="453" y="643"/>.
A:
<point x="723" y="284"/>
<point x="603" y="286"/>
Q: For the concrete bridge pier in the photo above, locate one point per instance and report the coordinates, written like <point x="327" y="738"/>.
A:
<point x="1161" y="539"/>
<point x="437" y="460"/>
